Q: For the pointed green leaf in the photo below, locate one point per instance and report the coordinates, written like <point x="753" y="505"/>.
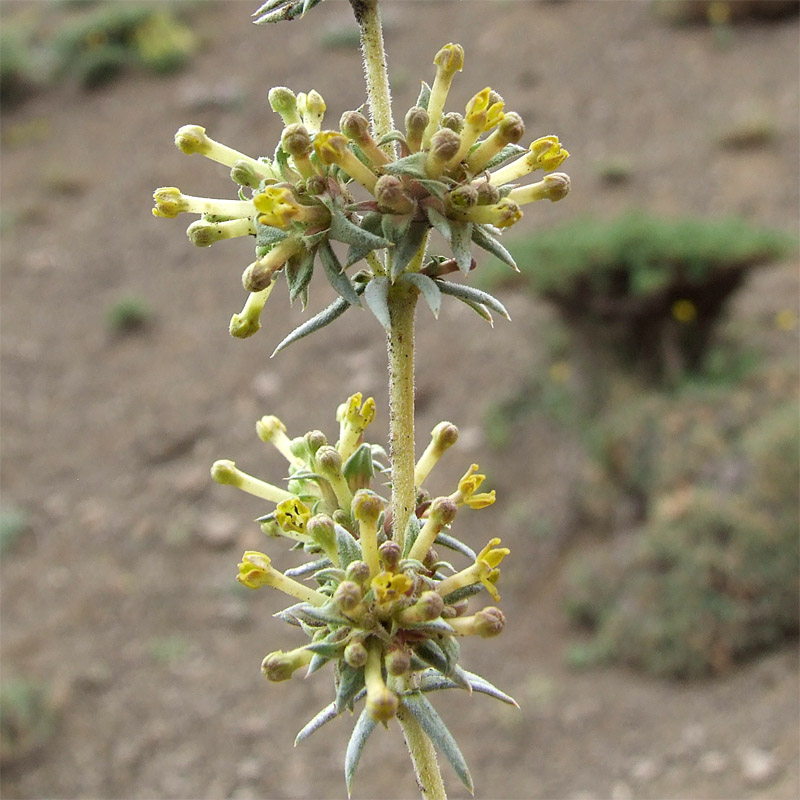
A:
<point x="346" y="546"/>
<point x="267" y="236"/>
<point x="343" y="230"/>
<point x="433" y="681"/>
<point x="326" y="715"/>
<point x="336" y="275"/>
<point x="431" y="626"/>
<point x="413" y="165"/>
<point x="482" y="238"/>
<point x="437" y="732"/>
<point x="408" y="247"/>
<point x="361" y="732"/>
<point x="456" y="544"/>
<point x="463" y="593"/>
<point x="376" y="296"/>
<point x="411" y="533"/>
<point x="310" y="567"/>
<point x="468" y="293"/>
<point x="299" y="270"/>
<point x="360" y="467"/>
<point x="392" y="136"/>
<point x="428" y="288"/>
<point x="325" y="317"/>
<point x="508" y="152"/>
<point x="452" y="650"/>
<point x="440" y="222"/>
<point x="350" y="682"/>
<point x="424" y="96"/>
<point x="460" y="242"/>
<point x="394" y="226"/>
<point x="317" y="660"/>
<point x="430" y="652"/>
<point x="434" y="187"/>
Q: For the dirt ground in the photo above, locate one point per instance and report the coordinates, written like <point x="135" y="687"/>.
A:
<point x="121" y="596"/>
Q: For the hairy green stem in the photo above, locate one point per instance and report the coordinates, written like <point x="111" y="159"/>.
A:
<point x="374" y="55"/>
<point x="423" y="756"/>
<point x="400" y="346"/>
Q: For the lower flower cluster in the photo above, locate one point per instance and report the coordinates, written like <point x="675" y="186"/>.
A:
<point x="387" y="614"/>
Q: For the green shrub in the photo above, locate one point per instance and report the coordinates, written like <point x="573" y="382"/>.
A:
<point x="712" y="575"/>
<point x="648" y="292"/>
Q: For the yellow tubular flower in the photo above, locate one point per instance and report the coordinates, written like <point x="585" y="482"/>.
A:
<point x="279" y="208"/>
<point x="292" y="515"/>
<point x="193" y="139"/>
<point x="442" y="512"/>
<point x="480" y="117"/>
<point x="509" y="131"/>
<point x="258" y="275"/>
<point x="467" y="487"/>
<point x="448" y="61"/>
<point x="332" y="147"/>
<point x="256" y="570"/>
<point x="170" y="202"/>
<point x="203" y="233"/>
<point x="280" y="666"/>
<point x="502" y="214"/>
<point x="228" y="474"/>
<point x="545" y="153"/>
<point x="443" y="436"/>
<point x="367" y="508"/>
<point x="248" y="322"/>
<point x="271" y="429"/>
<point x="390" y="587"/>
<point x="381" y="702"/>
<point x="484" y="570"/>
<point x="312" y="109"/>
<point x="553" y="187"/>
<point x="353" y="420"/>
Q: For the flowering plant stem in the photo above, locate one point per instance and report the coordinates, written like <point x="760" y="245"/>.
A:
<point x="423" y="757"/>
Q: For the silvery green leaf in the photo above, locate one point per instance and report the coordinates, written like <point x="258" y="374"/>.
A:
<point x="343" y="230"/>
<point x="267" y="236"/>
<point x="434" y="187"/>
<point x="326" y="715"/>
<point x="463" y="593"/>
<point x="431" y="626"/>
<point x="317" y="661"/>
<point x="437" y="732"/>
<point x="424" y="96"/>
<point x="455" y="544"/>
<point x="360" y="467"/>
<point x="325" y="317"/>
<point x="440" y="222"/>
<point x="482" y="238"/>
<point x="363" y="728"/>
<point x="452" y="650"/>
<point x="376" y="296"/>
<point x="472" y="295"/>
<point x="311" y="240"/>
<point x="460" y="242"/>
<point x="480" y="684"/>
<point x="408" y="247"/>
<point x="326" y="574"/>
<point x="371" y="223"/>
<point x="430" y="652"/>
<point x="326" y="615"/>
<point x="410" y="534"/>
<point x="348" y="548"/>
<point x="394" y="226"/>
<point x="413" y="165"/>
<point x="459" y="677"/>
<point x="392" y="136"/>
<point x="428" y="289"/>
<point x="308" y="568"/>
<point x="336" y="275"/>
<point x="298" y="273"/>
<point x="279" y="10"/>
<point x="508" y="152"/>
<point x="350" y="682"/>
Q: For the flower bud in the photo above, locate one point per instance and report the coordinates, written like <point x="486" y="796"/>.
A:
<point x="316" y="185"/>
<point x="444" y="146"/>
<point x="454" y="121"/>
<point x="511" y="128"/>
<point x="355" y="654"/>
<point x="347" y="596"/>
<point x="382" y="704"/>
<point x="489" y="622"/>
<point x="355" y="127"/>
<point x="315" y="440"/>
<point x="245" y="174"/>
<point x="416" y="121"/>
<point x="192" y="139"/>
<point x="258" y="276"/>
<point x="449" y="60"/>
<point x="284" y="102"/>
<point x="312" y="109"/>
<point x="553" y="187"/>
<point x="280" y="666"/>
<point x="443" y="436"/>
<point x="390" y="553"/>
<point x="488" y="194"/>
<point x="428" y="607"/>
<point x="463" y="196"/>
<point x="390" y="193"/>
<point x="296" y="141"/>
<point x="358" y="572"/>
<point x="397" y="661"/>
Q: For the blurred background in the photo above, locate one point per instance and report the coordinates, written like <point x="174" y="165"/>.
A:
<point x="638" y="418"/>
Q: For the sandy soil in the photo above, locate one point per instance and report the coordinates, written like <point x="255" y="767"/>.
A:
<point x="122" y="597"/>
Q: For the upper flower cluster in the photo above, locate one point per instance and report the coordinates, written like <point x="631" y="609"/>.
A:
<point x="457" y="173"/>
